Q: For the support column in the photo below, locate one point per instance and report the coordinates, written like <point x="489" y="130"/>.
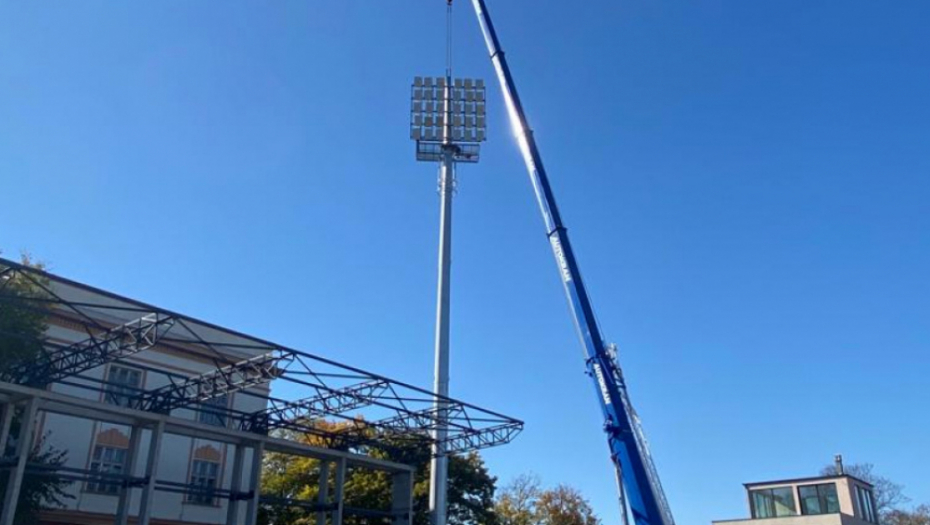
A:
<point x="439" y="464"/>
<point x="23" y="448"/>
<point x="258" y="451"/>
<point x="235" y="486"/>
<point x="323" y="492"/>
<point x="151" y="470"/>
<point x="125" y="493"/>
<point x="339" y="490"/>
<point x="402" y="498"/>
<point x="5" y="422"/>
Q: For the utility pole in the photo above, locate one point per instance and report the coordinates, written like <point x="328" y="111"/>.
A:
<point x="447" y="120"/>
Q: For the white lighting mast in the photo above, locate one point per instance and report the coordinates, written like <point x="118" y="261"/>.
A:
<point x="447" y="121"/>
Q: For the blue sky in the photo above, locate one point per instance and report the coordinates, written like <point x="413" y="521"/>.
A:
<point x="745" y="183"/>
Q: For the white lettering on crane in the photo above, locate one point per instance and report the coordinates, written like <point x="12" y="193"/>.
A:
<point x="560" y="257"/>
<point x="603" y="384"/>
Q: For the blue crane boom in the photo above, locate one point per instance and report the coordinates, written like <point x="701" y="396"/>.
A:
<point x="628" y="447"/>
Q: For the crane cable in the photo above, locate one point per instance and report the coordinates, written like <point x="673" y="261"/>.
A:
<point x="448" y="38"/>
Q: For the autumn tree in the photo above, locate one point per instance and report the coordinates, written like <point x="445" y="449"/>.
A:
<point x="23" y="324"/>
<point x="525" y="502"/>
<point x="470" y="493"/>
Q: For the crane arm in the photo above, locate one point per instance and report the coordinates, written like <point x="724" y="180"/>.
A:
<point x="627" y="444"/>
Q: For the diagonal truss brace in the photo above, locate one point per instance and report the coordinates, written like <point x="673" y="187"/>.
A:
<point x="244" y="374"/>
<point x="98" y="349"/>
<point x="326" y="404"/>
<point x="464" y="433"/>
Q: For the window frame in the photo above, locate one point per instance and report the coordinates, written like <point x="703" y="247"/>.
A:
<point x="198" y="498"/>
<point x="866" y="504"/>
<point x="214" y="418"/>
<point x="754" y="508"/>
<point x="822" y="499"/>
<point x="122" y="393"/>
<point x="107" y="488"/>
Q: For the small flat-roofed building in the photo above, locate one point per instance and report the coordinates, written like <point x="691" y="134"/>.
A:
<point x="827" y="500"/>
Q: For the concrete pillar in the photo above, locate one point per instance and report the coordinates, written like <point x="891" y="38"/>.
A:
<point x="323" y="494"/>
<point x="125" y="493"/>
<point x="339" y="490"/>
<point x="402" y="498"/>
<point x="258" y="451"/>
<point x="151" y="470"/>
<point x="235" y="486"/>
<point x="5" y="421"/>
<point x="23" y="447"/>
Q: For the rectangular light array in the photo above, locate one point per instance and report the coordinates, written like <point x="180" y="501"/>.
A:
<point x="427" y="110"/>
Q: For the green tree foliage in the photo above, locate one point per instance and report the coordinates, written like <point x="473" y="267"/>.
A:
<point x="471" y="487"/>
<point x="23" y="323"/>
<point x="525" y="502"/>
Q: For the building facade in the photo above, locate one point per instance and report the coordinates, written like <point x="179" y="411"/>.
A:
<point x="829" y="500"/>
<point x="105" y="447"/>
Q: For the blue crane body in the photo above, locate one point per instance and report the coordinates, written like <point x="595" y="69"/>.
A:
<point x="629" y="450"/>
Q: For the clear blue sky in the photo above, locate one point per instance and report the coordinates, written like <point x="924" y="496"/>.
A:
<point x="746" y="184"/>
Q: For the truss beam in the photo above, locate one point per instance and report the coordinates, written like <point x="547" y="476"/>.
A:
<point x="245" y="374"/>
<point x="98" y="349"/>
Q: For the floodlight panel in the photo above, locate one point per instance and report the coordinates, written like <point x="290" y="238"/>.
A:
<point x="480" y="109"/>
<point x="481" y="135"/>
<point x="479" y="95"/>
<point x="468" y="83"/>
<point x="415" y="133"/>
<point x="417" y="81"/>
<point x="480" y="121"/>
<point x="479" y="83"/>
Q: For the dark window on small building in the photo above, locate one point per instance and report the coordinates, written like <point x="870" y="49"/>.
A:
<point x="819" y="499"/>
<point x="865" y="504"/>
<point x="773" y="503"/>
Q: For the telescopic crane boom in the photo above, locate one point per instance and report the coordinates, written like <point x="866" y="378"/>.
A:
<point x="628" y="447"/>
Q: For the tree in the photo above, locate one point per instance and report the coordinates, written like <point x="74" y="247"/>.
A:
<point x="470" y="496"/>
<point x="919" y="516"/>
<point x="516" y="504"/>
<point x="22" y="338"/>
<point x="524" y="502"/>
<point x="565" y="505"/>
<point x="889" y="496"/>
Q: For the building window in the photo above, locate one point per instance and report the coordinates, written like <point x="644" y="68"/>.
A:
<point x="772" y="503"/>
<point x="203" y="480"/>
<point x="109" y="460"/>
<point x="123" y="385"/>
<point x="819" y="499"/>
<point x="213" y="411"/>
<point x="866" y="504"/>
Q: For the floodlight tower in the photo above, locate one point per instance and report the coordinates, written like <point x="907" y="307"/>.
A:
<point x="447" y="121"/>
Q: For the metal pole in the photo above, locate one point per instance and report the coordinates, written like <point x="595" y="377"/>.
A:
<point x="258" y="452"/>
<point x="439" y="465"/>
<point x="23" y="447"/>
<point x="5" y="424"/>
<point x="323" y="493"/>
<point x="151" y="469"/>
<point x="125" y="492"/>
<point x="339" y="491"/>
<point x="235" y="485"/>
